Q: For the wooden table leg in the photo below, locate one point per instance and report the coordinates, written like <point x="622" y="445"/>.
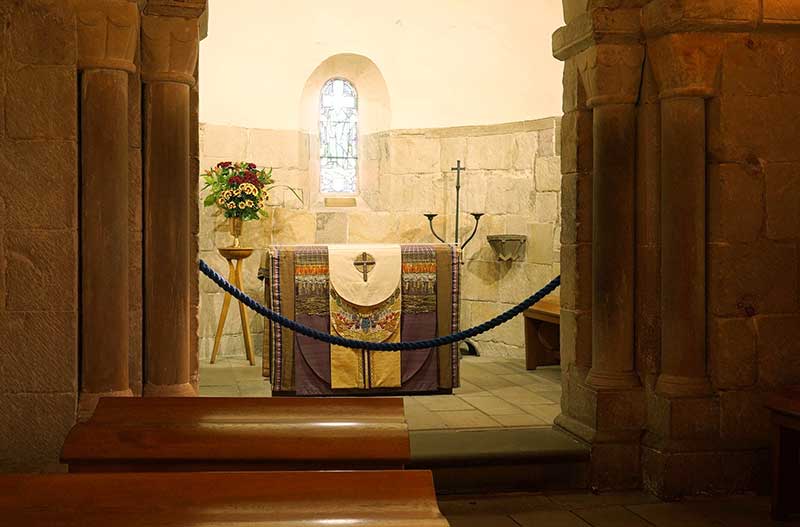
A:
<point x="226" y="303"/>
<point x="243" y="314"/>
<point x="785" y="467"/>
<point x="532" y="344"/>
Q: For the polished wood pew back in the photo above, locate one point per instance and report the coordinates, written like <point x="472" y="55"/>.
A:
<point x="255" y="499"/>
<point x="202" y="434"/>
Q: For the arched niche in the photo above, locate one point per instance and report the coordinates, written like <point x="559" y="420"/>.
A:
<point x="374" y="116"/>
<point x="374" y="109"/>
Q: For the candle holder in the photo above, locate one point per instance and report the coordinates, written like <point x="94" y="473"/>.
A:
<point x="472" y="349"/>
<point x="476" y="216"/>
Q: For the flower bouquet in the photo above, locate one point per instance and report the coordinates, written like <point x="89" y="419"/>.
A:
<point x="240" y="190"/>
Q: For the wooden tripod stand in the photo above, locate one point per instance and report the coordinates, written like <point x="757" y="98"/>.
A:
<point x="234" y="255"/>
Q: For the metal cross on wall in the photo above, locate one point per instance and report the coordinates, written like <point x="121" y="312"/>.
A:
<point x="364" y="263"/>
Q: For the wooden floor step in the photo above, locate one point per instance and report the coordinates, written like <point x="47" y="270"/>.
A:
<point x="498" y="460"/>
<point x="219" y="499"/>
<point x="191" y="433"/>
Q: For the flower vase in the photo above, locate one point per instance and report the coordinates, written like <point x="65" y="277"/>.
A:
<point x="236" y="230"/>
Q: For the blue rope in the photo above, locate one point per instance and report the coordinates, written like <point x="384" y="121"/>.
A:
<point x="378" y="346"/>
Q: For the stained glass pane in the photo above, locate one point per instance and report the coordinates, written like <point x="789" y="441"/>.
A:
<point x="338" y="137"/>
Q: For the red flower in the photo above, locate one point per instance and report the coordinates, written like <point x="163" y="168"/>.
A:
<point x="224" y="164"/>
<point x="251" y="166"/>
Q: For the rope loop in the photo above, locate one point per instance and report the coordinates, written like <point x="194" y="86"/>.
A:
<point x="502" y="318"/>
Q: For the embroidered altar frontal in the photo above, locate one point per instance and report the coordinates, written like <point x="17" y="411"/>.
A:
<point x="375" y="293"/>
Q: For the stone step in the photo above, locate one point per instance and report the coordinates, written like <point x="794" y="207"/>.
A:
<point x="509" y="459"/>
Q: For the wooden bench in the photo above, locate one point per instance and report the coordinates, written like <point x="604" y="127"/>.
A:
<point x="127" y="434"/>
<point x="255" y="499"/>
<point x="785" y="408"/>
<point x="542" y="336"/>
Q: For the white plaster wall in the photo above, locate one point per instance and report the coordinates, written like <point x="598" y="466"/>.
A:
<point x="445" y="62"/>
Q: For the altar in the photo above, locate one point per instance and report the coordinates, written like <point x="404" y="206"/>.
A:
<point x="374" y="293"/>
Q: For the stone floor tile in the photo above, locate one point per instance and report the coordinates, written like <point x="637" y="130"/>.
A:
<point x="494" y="520"/>
<point x="503" y="504"/>
<point x="519" y="420"/>
<point x="468" y="419"/>
<point x="549" y="373"/>
<point x="553" y="396"/>
<point x="247" y="373"/>
<point x="551" y="518"/>
<point x="420" y="418"/>
<point x="254" y="388"/>
<point x="614" y="516"/>
<point x="519" y="395"/>
<point x="220" y="391"/>
<point x="217" y="377"/>
<point x="437" y="403"/>
<point x="489" y="381"/>
<point x="521" y="379"/>
<point x="466" y="388"/>
<point x="582" y="500"/>
<point x="492" y="405"/>
<point x="498" y="368"/>
<point x="546" y="412"/>
<point x="674" y="515"/>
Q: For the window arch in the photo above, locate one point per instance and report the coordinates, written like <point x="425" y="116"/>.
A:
<point x="338" y="137"/>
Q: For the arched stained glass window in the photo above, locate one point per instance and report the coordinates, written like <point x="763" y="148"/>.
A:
<point x="338" y="137"/>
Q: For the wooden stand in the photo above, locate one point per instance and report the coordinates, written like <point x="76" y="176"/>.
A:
<point x="542" y="333"/>
<point x="234" y="255"/>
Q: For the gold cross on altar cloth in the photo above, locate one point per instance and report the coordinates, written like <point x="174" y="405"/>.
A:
<point x="364" y="263"/>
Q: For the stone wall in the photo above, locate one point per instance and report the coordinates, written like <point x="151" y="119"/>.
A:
<point x="72" y="288"/>
<point x="513" y="175"/>
<point x="673" y="333"/>
<point x="38" y="232"/>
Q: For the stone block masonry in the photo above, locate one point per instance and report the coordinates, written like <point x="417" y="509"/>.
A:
<point x="38" y="232"/>
<point x="713" y="88"/>
<point x="513" y="175"/>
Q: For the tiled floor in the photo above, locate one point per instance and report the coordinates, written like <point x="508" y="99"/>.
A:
<point x="629" y="509"/>
<point x="494" y="393"/>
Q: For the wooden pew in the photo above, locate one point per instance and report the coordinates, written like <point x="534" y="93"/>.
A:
<point x="255" y="499"/>
<point x="127" y="434"/>
<point x="785" y="409"/>
<point x="542" y="324"/>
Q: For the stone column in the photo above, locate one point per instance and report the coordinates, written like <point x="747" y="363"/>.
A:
<point x="685" y="69"/>
<point x="108" y="32"/>
<point x="612" y="74"/>
<point x="169" y="56"/>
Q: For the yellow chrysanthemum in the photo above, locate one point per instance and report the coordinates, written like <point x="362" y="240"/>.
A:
<point x="242" y="205"/>
<point x="237" y="192"/>
<point x="231" y="205"/>
<point x="249" y="203"/>
<point x="220" y="201"/>
<point x="226" y="194"/>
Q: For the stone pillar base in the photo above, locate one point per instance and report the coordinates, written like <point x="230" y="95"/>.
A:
<point x="612" y="379"/>
<point x="691" y="422"/>
<point x="670" y="475"/>
<point x="169" y="390"/>
<point x="681" y="386"/>
<point x="88" y="401"/>
<point x="610" y="421"/>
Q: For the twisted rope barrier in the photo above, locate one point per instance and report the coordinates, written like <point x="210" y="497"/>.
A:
<point x="502" y="318"/>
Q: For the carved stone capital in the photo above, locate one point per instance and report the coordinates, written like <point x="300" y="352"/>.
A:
<point x="611" y="73"/>
<point x="597" y="26"/>
<point x="178" y="8"/>
<point x="678" y="16"/>
<point x="686" y="64"/>
<point x="108" y="33"/>
<point x="169" y="49"/>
